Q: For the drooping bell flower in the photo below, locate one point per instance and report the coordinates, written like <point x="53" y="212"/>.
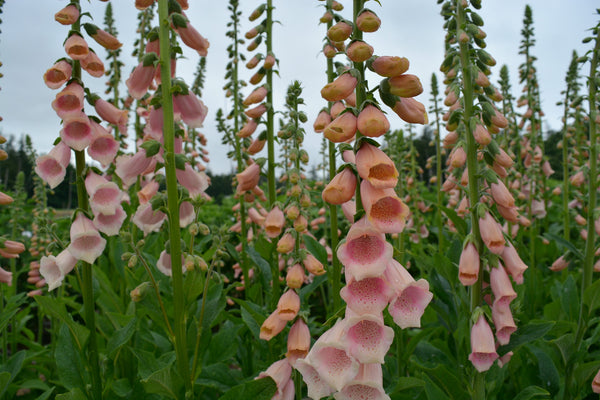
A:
<point x="367" y="337"/>
<point x="367" y="296"/>
<point x="513" y="263"/>
<point x="55" y="268"/>
<point x="142" y="76"/>
<point x="491" y="234"/>
<point x="410" y="297"/>
<point x="103" y="147"/>
<point x="322" y="120"/>
<point x="596" y="383"/>
<point x="274" y="222"/>
<point x="330" y="359"/>
<point x="272" y="326"/>
<point x="372" y="122"/>
<point x="5" y="276"/>
<point x="365" y="252"/>
<point x="405" y="85"/>
<point x="340" y="88"/>
<point x="111" y="114"/>
<point x="77" y="131"/>
<point x="110" y="224"/>
<point x="295" y="277"/>
<point x="248" y="128"/>
<point x="164" y="263"/>
<point x="288" y="305"/>
<point x="367" y="384"/>
<point x="559" y="264"/>
<point x="501" y="286"/>
<point x="256" y="96"/>
<point x="341" y="188"/>
<point x="336" y="109"/>
<point x="248" y="178"/>
<point x="147" y="219"/>
<point x="368" y="21"/>
<point x="143" y="4"/>
<point x="195" y="182"/>
<point x="93" y="65"/>
<point x="256" y="112"/>
<point x="342" y="128"/>
<point x="191" y="108"/>
<point x="469" y="265"/>
<point x="374" y="166"/>
<point x="256" y="146"/>
<point x="389" y="66"/>
<point x="316" y="386"/>
<point x="340" y="31"/>
<point x="503" y="322"/>
<point x="103" y="38"/>
<point x="52" y="167"/>
<point x="411" y="111"/>
<point x="189" y="35"/>
<point x="298" y="342"/>
<point x="280" y="371"/>
<point x="76" y="47"/>
<point x="313" y="265"/>
<point x="359" y="51"/>
<point x="105" y="196"/>
<point x="69" y="101"/>
<point x="483" y="350"/>
<point x="384" y="209"/>
<point x="58" y="74"/>
<point x="187" y="215"/>
<point x="67" y="15"/>
<point x="286" y="243"/>
<point x="86" y="242"/>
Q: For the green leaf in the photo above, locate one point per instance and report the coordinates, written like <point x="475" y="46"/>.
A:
<point x="434" y="392"/>
<point x="591" y="297"/>
<point x="5" y="379"/>
<point x="258" y="389"/>
<point x="459" y="223"/>
<point x="223" y="344"/>
<point x="163" y="382"/>
<point x="531" y="392"/>
<point x="533" y="330"/>
<point x="120" y="337"/>
<point x="147" y="363"/>
<point x="446" y="379"/>
<point x="56" y="309"/>
<point x="263" y="266"/>
<point x="548" y="372"/>
<point x="46" y="394"/>
<point x="217" y="376"/>
<point x="407" y="382"/>
<point x="562" y="243"/>
<point x="252" y="317"/>
<point x="569" y="298"/>
<point x="315" y="248"/>
<point x="70" y="366"/>
<point x="11" y="308"/>
<point x="74" y="394"/>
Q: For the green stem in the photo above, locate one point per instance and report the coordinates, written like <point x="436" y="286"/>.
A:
<point x="565" y="157"/>
<point x="361" y="92"/>
<point x="438" y="171"/>
<point x="270" y="110"/>
<point x="173" y="199"/>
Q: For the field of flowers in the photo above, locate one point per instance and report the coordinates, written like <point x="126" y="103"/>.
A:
<point x="384" y="267"/>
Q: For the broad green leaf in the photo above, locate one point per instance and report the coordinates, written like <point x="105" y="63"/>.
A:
<point x="5" y="379"/>
<point x="565" y="344"/>
<point x="120" y="337"/>
<point x="193" y="285"/>
<point x="315" y="248"/>
<point x="434" y="392"/>
<point x="252" y="320"/>
<point x="217" y="376"/>
<point x="147" y="363"/>
<point x="164" y="383"/>
<point x="258" y="389"/>
<point x="569" y="298"/>
<point x="591" y="297"/>
<point x="532" y="392"/>
<point x="215" y="303"/>
<point x="56" y="309"/>
<point x="223" y="344"/>
<point x="74" y="394"/>
<point x="122" y="388"/>
<point x="263" y="266"/>
<point x="548" y="372"/>
<point x="70" y="366"/>
<point x="527" y="333"/>
<point x="585" y="372"/>
<point x="11" y="308"/>
<point x="46" y="394"/>
<point x="407" y="382"/>
<point x="446" y="379"/>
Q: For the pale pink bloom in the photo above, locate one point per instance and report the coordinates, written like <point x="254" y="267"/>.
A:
<point x="577" y="179"/>
<point x="111" y="114"/>
<point x="513" y="263"/>
<point x="372" y="122"/>
<point x="596" y="383"/>
<point x="376" y="167"/>
<point x="483" y="350"/>
<point x="52" y="167"/>
<point x="86" y="242"/>
<point x="76" y="47"/>
<point x="286" y="243"/>
<point x="281" y="372"/>
<point x="322" y="120"/>
<point x="93" y="65"/>
<point x="503" y="322"/>
<point x="349" y="156"/>
<point x="341" y="188"/>
<point x="105" y="196"/>
<point x="547" y="169"/>
<point x="538" y="208"/>
<point x="191" y="109"/>
<point x="349" y="209"/>
<point x="110" y="224"/>
<point x="491" y="234"/>
<point x="248" y="178"/>
<point x="559" y="264"/>
<point x="77" y="131"/>
<point x="248" y="129"/>
<point x="365" y="252"/>
<point x="195" y="182"/>
<point x="274" y="222"/>
<point x="367" y="384"/>
<point x="340" y="88"/>
<point x="67" y="15"/>
<point x="256" y="216"/>
<point x="256" y="96"/>
<point x="272" y="326"/>
<point x="69" y="101"/>
<point x="288" y="305"/>
<point x="140" y="80"/>
<point x="468" y="265"/>
<point x="256" y="112"/>
<point x="366" y="336"/>
<point x="317" y="387"/>
<point x="187" y="215"/>
<point x="411" y="111"/>
<point x="55" y="268"/>
<point x="5" y="276"/>
<point x="147" y="191"/>
<point x="58" y="74"/>
<point x="129" y="167"/>
<point x="501" y="195"/>
<point x="103" y="147"/>
<point x="503" y="360"/>
<point x="367" y="296"/>
<point x="288" y="392"/>
<point x="298" y="342"/>
<point x="164" y="263"/>
<point x="411" y="297"/>
<point x="501" y="285"/>
<point x="384" y="209"/>
<point x="329" y="358"/>
<point x="191" y="37"/>
<point x="314" y="266"/>
<point x="147" y="219"/>
<point x="342" y="128"/>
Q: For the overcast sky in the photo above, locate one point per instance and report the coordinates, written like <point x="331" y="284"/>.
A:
<point x="31" y="41"/>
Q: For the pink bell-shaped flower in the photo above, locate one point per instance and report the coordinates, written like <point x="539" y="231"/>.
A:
<point x="503" y="322"/>
<point x="129" y="167"/>
<point x="367" y="384"/>
<point x="248" y="178"/>
<point x="52" y="167"/>
<point x="367" y="296"/>
<point x="77" y="131"/>
<point x="365" y="252"/>
<point x="367" y="337"/>
<point x="111" y="114"/>
<point x="501" y="286"/>
<point x="103" y="147"/>
<point x="190" y="36"/>
<point x="468" y="265"/>
<point x="69" y="101"/>
<point x="513" y="263"/>
<point x="384" y="209"/>
<point x="280" y="371"/>
<point x="147" y="219"/>
<point x="58" y="74"/>
<point x="86" y="242"/>
<point x="195" y="182"/>
<point x="376" y="167"/>
<point x="317" y="387"/>
<point x="483" y="350"/>
<point x="141" y="78"/>
<point x="274" y="222"/>
<point x="105" y="196"/>
<point x="55" y="268"/>
<point x="191" y="109"/>
<point x="298" y="342"/>
<point x="5" y="276"/>
<point x="110" y="224"/>
<point x="187" y="215"/>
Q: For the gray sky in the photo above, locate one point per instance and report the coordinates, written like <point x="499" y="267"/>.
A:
<point x="31" y="41"/>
